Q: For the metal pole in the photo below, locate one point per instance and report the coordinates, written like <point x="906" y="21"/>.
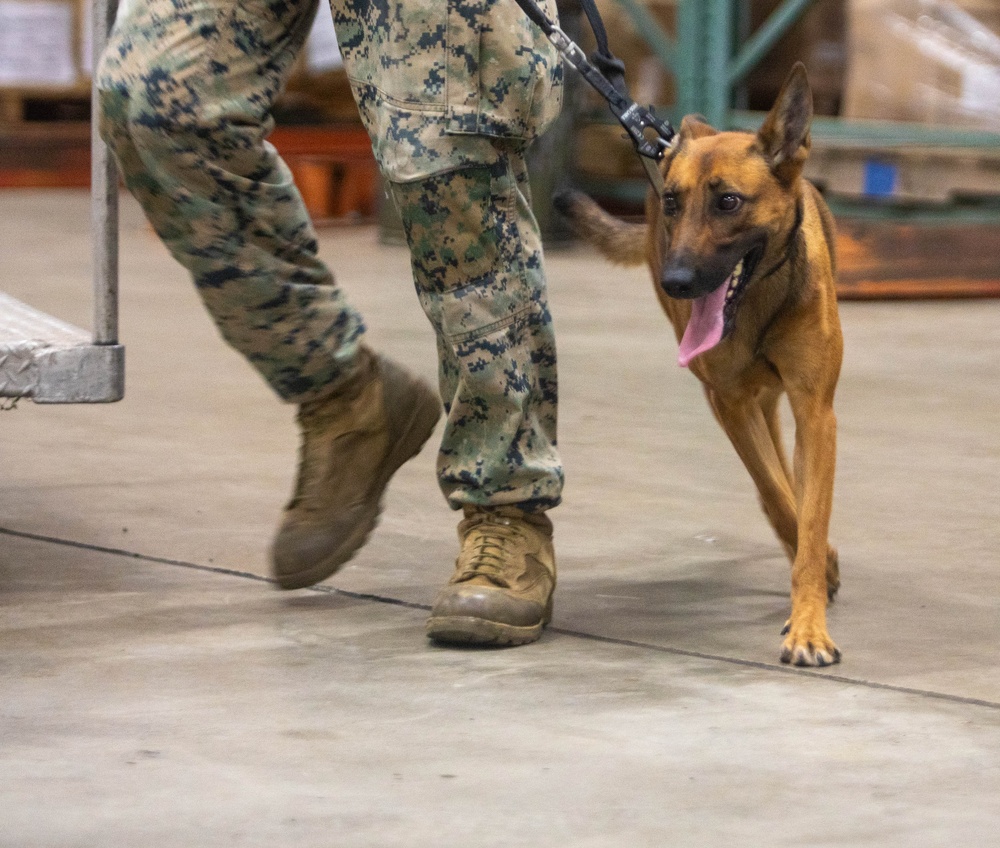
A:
<point x="761" y="42"/>
<point x="690" y="56"/>
<point x="651" y="32"/>
<point x="719" y="34"/>
<point x="103" y="196"/>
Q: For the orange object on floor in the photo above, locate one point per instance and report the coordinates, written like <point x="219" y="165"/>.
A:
<point x="334" y="169"/>
<point x="45" y="155"/>
<point x="333" y="165"/>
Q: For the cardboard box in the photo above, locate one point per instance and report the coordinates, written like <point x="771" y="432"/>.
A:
<point x="647" y="80"/>
<point x="817" y="39"/>
<point x="930" y="61"/>
<point x="39" y="43"/>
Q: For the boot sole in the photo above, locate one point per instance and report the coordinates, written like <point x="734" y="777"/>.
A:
<point x="415" y="434"/>
<point x="467" y="630"/>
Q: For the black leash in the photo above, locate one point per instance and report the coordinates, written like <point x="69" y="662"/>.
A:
<point x="606" y="74"/>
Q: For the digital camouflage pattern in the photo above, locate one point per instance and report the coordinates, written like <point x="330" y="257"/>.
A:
<point x="186" y="91"/>
<point x="437" y="80"/>
<point x="477" y="263"/>
<point x="450" y="92"/>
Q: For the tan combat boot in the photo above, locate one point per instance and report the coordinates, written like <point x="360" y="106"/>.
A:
<point x="501" y="592"/>
<point x="352" y="442"/>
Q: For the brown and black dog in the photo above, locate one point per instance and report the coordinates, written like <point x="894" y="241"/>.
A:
<point x="741" y="249"/>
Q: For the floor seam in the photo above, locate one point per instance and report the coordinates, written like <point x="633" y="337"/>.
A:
<point x="562" y="631"/>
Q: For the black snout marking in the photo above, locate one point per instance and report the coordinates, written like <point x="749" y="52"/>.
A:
<point x="678" y="281"/>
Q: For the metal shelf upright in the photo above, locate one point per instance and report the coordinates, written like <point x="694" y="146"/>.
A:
<point x="49" y="360"/>
<point x="939" y="172"/>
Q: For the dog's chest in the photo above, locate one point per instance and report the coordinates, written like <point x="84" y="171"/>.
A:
<point x="733" y="370"/>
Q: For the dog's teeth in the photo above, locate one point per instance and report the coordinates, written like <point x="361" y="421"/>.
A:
<point x="738" y="269"/>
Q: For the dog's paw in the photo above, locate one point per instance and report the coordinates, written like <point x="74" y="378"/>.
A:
<point x="808" y="647"/>
<point x="832" y="573"/>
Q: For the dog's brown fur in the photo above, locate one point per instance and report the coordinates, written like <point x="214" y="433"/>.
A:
<point x="784" y="336"/>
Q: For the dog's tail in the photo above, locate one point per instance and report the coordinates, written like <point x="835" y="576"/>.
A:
<point x="619" y="241"/>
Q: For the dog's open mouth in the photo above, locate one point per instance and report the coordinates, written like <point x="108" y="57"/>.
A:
<point x="713" y="315"/>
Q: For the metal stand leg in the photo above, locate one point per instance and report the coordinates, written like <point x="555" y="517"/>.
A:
<point x="49" y="360"/>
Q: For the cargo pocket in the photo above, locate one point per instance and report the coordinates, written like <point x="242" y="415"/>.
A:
<point x="463" y="235"/>
<point x="396" y="47"/>
<point x="504" y="76"/>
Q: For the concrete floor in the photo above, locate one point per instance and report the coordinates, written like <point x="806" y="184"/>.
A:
<point x="158" y="691"/>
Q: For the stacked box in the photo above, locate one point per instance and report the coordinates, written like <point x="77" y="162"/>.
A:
<point x="930" y="61"/>
<point x="40" y="43"/>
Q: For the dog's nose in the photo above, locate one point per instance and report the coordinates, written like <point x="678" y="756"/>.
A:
<point x="678" y="281"/>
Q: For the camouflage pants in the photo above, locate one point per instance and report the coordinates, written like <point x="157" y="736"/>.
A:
<point x="187" y="88"/>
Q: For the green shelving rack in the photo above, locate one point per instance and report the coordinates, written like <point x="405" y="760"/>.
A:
<point x="936" y="173"/>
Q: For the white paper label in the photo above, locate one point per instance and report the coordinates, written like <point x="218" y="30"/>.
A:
<point x="322" y="52"/>
<point x="36" y="43"/>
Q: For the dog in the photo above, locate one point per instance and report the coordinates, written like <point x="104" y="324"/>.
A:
<point x="741" y="251"/>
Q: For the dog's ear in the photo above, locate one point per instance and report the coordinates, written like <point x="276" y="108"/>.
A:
<point x="694" y="126"/>
<point x="784" y="136"/>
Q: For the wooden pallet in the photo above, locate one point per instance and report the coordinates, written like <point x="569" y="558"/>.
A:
<point x="334" y="169"/>
<point x="883" y="260"/>
<point x="45" y="155"/>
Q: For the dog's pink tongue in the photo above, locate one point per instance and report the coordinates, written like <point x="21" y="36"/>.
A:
<point x="704" y="330"/>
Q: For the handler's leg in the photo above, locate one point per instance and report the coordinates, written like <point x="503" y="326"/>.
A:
<point x="186" y="96"/>
<point x="477" y="262"/>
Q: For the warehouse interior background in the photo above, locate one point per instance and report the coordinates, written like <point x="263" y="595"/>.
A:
<point x="905" y="146"/>
<point x="158" y="690"/>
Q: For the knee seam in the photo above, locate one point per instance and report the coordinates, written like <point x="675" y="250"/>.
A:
<point x="480" y="332"/>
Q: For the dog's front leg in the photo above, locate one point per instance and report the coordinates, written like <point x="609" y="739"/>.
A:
<point x="807" y="642"/>
<point x="750" y="431"/>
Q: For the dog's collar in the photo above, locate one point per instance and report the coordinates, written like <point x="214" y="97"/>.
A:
<point x="792" y="239"/>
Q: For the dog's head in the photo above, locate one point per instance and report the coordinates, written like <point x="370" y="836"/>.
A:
<point x="730" y="200"/>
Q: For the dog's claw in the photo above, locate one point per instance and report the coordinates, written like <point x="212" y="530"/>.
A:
<point x="786" y="628"/>
<point x="811" y="653"/>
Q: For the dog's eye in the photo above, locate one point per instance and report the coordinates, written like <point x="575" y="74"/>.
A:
<point x="728" y="202"/>
<point x="670" y="204"/>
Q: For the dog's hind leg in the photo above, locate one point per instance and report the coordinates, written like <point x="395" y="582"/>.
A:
<point x="751" y="431"/>
<point x="769" y="400"/>
<point x="787" y="530"/>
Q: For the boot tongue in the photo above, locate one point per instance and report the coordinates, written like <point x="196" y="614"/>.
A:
<point x="704" y="329"/>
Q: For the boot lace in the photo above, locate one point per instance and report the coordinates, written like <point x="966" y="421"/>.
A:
<point x="489" y="555"/>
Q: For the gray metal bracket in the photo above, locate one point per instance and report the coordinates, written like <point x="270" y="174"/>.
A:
<point x="50" y="361"/>
<point x="46" y="359"/>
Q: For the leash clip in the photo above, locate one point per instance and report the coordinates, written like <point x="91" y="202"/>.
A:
<point x="636" y="119"/>
<point x="650" y="149"/>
